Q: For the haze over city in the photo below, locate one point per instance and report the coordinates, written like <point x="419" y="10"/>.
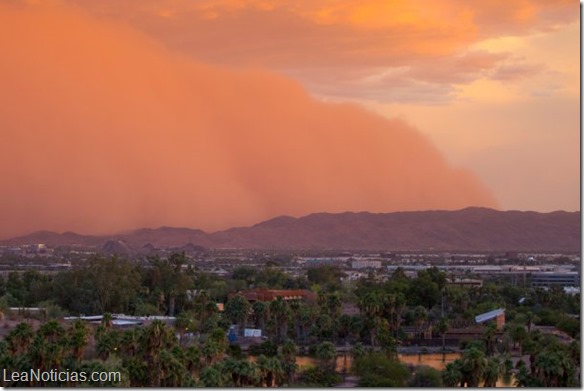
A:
<point x="211" y="114"/>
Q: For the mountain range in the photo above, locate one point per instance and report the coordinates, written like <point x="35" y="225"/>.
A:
<point x="470" y="229"/>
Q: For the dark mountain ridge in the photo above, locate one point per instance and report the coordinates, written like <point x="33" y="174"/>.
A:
<point x="470" y="229"/>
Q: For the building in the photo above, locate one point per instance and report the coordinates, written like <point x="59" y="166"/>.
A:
<point x="497" y="315"/>
<point x="363" y="264"/>
<point x="466" y="282"/>
<point x="318" y="262"/>
<point x="549" y="279"/>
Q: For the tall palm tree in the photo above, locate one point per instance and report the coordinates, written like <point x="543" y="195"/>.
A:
<point x="442" y="328"/>
<point x="130" y="341"/>
<point x="280" y="311"/>
<point x="473" y="366"/>
<point x="260" y="312"/>
<point x="420" y="318"/>
<point x="489" y="338"/>
<point x="306" y="317"/>
<point x="105" y="344"/>
<point x="493" y="370"/>
<point x="287" y="353"/>
<point x="52" y="343"/>
<point x="238" y="310"/>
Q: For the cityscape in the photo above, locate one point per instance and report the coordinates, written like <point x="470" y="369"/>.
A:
<point x="300" y="194"/>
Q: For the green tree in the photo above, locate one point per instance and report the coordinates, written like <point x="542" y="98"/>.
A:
<point x="452" y="374"/>
<point x="442" y="327"/>
<point x="237" y="311"/>
<point x="260" y="310"/>
<point x="425" y="376"/>
<point x="280" y="313"/>
<point x="326" y="353"/>
<point x="493" y="370"/>
<point x="377" y="370"/>
<point x="78" y="338"/>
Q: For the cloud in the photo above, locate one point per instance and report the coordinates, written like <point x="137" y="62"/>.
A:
<point x="344" y="37"/>
<point x="515" y="70"/>
<point x="105" y="129"/>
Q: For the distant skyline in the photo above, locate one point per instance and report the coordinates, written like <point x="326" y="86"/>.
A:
<point x="217" y="113"/>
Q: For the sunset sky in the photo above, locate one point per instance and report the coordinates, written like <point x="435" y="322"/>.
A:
<point x="119" y="114"/>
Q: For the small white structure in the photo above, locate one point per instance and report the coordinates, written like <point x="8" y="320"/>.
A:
<point x="252" y="332"/>
<point x="498" y="315"/>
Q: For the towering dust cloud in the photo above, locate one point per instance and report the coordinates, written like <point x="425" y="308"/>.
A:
<point x="104" y="129"/>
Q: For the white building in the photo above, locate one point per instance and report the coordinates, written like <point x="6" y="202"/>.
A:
<point x="361" y="264"/>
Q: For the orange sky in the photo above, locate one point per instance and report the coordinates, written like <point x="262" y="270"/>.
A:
<point x="208" y="114"/>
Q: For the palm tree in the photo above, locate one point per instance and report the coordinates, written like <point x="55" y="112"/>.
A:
<point x="493" y="371"/>
<point x="420" y="316"/>
<point x="185" y="322"/>
<point x="371" y="304"/>
<point x="394" y="305"/>
<point x="130" y="342"/>
<point x="238" y="310"/>
<point x="304" y="320"/>
<point x="296" y="308"/>
<point x="213" y="376"/>
<point x="50" y="344"/>
<point x="523" y="377"/>
<point x="192" y="360"/>
<point x="243" y="373"/>
<point x="271" y="370"/>
<point x="172" y="372"/>
<point x="153" y="337"/>
<point x="231" y="365"/>
<point x="442" y="328"/>
<point x="211" y="351"/>
<point x="260" y="312"/>
<point x="326" y="353"/>
<point x="452" y="375"/>
<point x="489" y="338"/>
<point x="105" y="344"/>
<point x="386" y="341"/>
<point x="287" y="353"/>
<point x="554" y="368"/>
<point x="107" y="320"/>
<point x="78" y="338"/>
<point x="518" y="335"/>
<point x="473" y="366"/>
<point x="19" y="338"/>
<point x="280" y="312"/>
<point x="358" y="351"/>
